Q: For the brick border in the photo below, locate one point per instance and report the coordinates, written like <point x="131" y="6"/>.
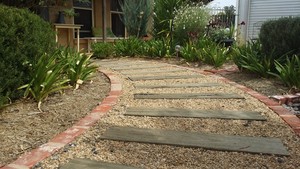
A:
<point x="287" y="116"/>
<point x="30" y="159"/>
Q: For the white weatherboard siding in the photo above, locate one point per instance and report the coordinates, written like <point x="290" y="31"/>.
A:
<point x="263" y="10"/>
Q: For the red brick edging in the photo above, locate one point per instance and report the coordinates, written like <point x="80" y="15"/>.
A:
<point x="291" y="119"/>
<point x="29" y="159"/>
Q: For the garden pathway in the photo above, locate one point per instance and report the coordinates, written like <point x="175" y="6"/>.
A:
<point x="151" y="84"/>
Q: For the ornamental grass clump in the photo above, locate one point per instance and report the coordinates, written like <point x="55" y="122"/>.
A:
<point x="190" y="23"/>
<point x="289" y="72"/>
<point x="78" y="66"/>
<point x="156" y="48"/>
<point x="46" y="77"/>
<point x="128" y="47"/>
<point x="250" y="57"/>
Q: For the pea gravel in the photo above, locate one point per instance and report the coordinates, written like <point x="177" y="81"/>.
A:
<point x="152" y="156"/>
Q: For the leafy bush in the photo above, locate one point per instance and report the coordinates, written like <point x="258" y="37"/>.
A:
<point x="190" y="53"/>
<point x="156" y="48"/>
<point x="222" y="34"/>
<point x="251" y="58"/>
<point x="102" y="50"/>
<point x="190" y="22"/>
<point x="281" y="36"/>
<point x="24" y="38"/>
<point x="289" y="72"/>
<point x="215" y="55"/>
<point x="46" y="77"/>
<point x="128" y="47"/>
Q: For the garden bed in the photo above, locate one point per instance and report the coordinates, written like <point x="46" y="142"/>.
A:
<point x="23" y="127"/>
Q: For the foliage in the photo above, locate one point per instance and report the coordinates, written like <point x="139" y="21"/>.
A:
<point x="190" y="22"/>
<point x="78" y="67"/>
<point x="190" y="53"/>
<point x="213" y="53"/>
<point x="156" y="48"/>
<point x="70" y="12"/>
<point x="289" y="72"/>
<point x="281" y="36"/>
<point x="102" y="50"/>
<point x="97" y="32"/>
<point x="229" y="10"/>
<point x="24" y="38"/>
<point x="220" y="34"/>
<point x="136" y="14"/>
<point x="35" y="3"/>
<point x="164" y="13"/>
<point x="128" y="47"/>
<point x="46" y="78"/>
<point x="251" y="58"/>
<point x="205" y="50"/>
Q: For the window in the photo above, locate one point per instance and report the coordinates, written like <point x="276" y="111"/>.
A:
<point x="85" y="17"/>
<point x="117" y="26"/>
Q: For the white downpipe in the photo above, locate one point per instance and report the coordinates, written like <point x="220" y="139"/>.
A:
<point x="243" y="7"/>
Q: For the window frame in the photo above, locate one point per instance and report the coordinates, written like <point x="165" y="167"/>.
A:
<point x="113" y="12"/>
<point x="88" y="9"/>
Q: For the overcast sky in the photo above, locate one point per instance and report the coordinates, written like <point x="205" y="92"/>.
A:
<point x="221" y="3"/>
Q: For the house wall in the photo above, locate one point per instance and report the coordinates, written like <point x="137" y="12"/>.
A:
<point x="67" y="37"/>
<point x="260" y="11"/>
<point x="98" y="13"/>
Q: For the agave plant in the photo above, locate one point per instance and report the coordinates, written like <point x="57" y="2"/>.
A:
<point x="47" y="77"/>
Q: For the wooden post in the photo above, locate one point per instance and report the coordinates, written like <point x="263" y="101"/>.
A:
<point x="104" y="20"/>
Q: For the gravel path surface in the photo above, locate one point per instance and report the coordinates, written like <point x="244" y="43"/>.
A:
<point x="151" y="156"/>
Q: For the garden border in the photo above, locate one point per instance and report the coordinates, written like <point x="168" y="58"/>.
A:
<point x="30" y="159"/>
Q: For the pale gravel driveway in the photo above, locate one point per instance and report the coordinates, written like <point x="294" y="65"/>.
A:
<point x="161" y="156"/>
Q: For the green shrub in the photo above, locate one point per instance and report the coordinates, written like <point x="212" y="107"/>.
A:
<point x="190" y="53"/>
<point x="215" y="55"/>
<point x="46" y="77"/>
<point x="128" y="47"/>
<point x="156" y="48"/>
<point x="289" y="72"/>
<point x="251" y="58"/>
<point x="190" y="23"/>
<point x="77" y="66"/>
<point x="102" y="50"/>
<point x="281" y="36"/>
<point x="24" y="38"/>
<point x="222" y="34"/>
